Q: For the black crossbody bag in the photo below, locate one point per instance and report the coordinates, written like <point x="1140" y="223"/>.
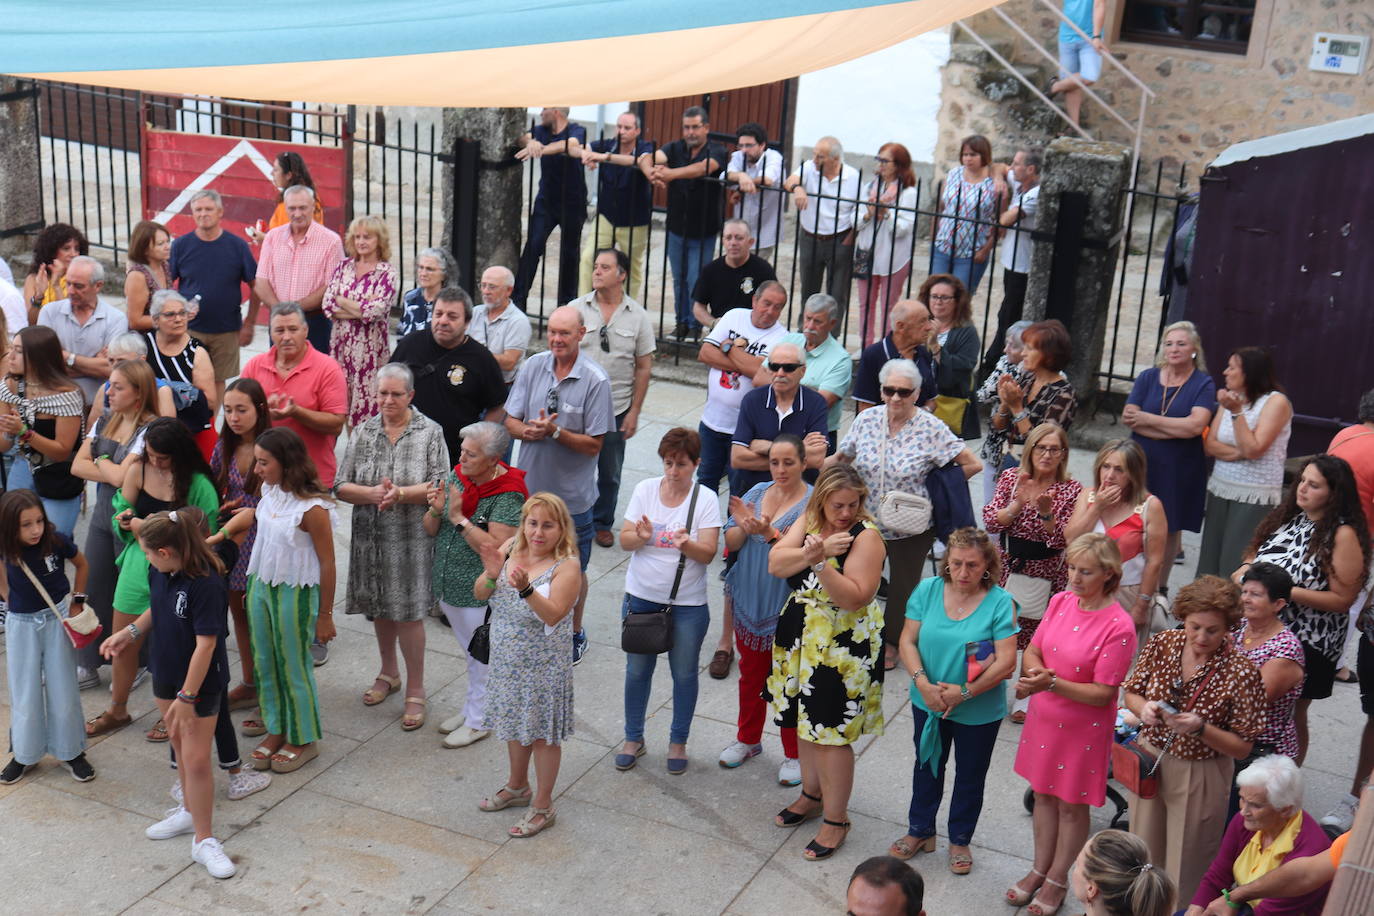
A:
<point x="651" y="632"/>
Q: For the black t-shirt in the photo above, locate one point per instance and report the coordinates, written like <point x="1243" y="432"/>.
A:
<point x="562" y="181"/>
<point x="452" y="387"/>
<point x="50" y="568"/>
<point x="721" y="287"/>
<point x="694" y="205"/>
<point x="185" y="607"/>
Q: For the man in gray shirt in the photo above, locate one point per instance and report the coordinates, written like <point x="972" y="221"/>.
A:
<point x="84" y="325"/>
<point x="559" y="408"/>
<point x="498" y="325"/>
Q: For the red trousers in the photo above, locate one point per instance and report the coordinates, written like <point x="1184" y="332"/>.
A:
<point x="754" y="668"/>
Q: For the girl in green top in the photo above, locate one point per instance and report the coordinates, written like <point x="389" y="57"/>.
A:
<point x="959" y="645"/>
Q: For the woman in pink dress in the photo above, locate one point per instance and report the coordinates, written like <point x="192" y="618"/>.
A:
<point x="358" y="300"/>
<point x="1072" y="671"/>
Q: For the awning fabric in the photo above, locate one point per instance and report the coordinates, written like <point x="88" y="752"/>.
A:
<point x="475" y="53"/>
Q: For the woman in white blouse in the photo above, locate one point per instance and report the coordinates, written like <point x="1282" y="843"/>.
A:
<point x="884" y="236"/>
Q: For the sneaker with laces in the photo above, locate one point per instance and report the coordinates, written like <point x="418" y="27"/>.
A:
<point x="737" y="753"/>
<point x="580" y="644"/>
<point x="211" y="854"/>
<point x="80" y="768"/>
<point x="86" y="678"/>
<point x="14" y="771"/>
<point x="245" y="782"/>
<point x="176" y="822"/>
<point x="789" y="774"/>
<point x="319" y="653"/>
<point x="1338" y="819"/>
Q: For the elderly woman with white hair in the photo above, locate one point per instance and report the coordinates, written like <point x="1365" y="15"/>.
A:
<point x="129" y="345"/>
<point x="478" y="506"/>
<point x="392" y="463"/>
<point x="185" y="364"/>
<point x="435" y="268"/>
<point x="1270" y="829"/>
<point x="1008" y="363"/>
<point x="894" y="446"/>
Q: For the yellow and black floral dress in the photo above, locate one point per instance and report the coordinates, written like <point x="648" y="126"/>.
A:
<point x="827" y="678"/>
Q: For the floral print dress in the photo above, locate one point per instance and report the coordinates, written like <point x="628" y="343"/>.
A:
<point x="238" y="576"/>
<point x="360" y="345"/>
<point x="827" y="677"/>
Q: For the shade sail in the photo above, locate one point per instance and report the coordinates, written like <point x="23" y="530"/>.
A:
<point x="475" y="53"/>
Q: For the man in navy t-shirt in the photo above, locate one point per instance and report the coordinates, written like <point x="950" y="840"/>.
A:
<point x="784" y="406"/>
<point x="561" y="201"/>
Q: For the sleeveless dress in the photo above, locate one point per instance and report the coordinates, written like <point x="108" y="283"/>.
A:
<point x="1129" y="535"/>
<point x="530" y="687"/>
<point x="238" y="576"/>
<point x="827" y="678"/>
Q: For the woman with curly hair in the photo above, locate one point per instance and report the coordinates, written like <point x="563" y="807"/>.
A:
<point x="53" y="250"/>
<point x="1318" y="535"/>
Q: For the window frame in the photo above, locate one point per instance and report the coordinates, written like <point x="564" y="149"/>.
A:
<point x="1191" y="11"/>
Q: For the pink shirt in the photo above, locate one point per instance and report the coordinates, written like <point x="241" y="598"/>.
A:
<point x="317" y="383"/>
<point x="296" y="268"/>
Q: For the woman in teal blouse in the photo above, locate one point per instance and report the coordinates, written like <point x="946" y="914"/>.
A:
<point x="959" y="645"/>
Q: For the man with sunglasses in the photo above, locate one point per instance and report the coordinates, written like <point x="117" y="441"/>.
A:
<point x="829" y="367"/>
<point x="783" y="406"/>
<point x="620" y="337"/>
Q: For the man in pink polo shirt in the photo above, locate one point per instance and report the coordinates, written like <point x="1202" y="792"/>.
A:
<point x="305" y="388"/>
<point x="296" y="262"/>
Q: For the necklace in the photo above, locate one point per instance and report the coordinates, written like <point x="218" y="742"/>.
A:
<point x="1164" y="390"/>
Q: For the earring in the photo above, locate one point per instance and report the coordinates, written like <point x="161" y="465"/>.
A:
<point x="987" y="574"/>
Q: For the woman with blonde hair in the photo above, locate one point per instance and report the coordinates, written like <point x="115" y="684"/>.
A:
<point x="1113" y="877"/>
<point x="532" y="582"/>
<point x="357" y="301"/>
<point x="1168" y="410"/>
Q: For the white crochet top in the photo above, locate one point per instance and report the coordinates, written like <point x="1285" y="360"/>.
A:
<point x="1251" y="480"/>
<point x="283" y="554"/>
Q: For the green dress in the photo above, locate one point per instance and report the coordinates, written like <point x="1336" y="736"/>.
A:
<point x="131" y="592"/>
<point x="827" y="677"/>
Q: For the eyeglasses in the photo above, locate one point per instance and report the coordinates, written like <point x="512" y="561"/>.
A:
<point x="783" y="367"/>
<point x="881" y="161"/>
<point x="551" y="402"/>
<point x="1053" y="451"/>
<point x="891" y="391"/>
<point x="935" y="298"/>
<point x="605" y="339"/>
<point x="177" y="314"/>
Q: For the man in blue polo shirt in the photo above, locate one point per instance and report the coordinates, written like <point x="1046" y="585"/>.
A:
<point x="561" y="201"/>
<point x="911" y="326"/>
<point x="783" y="406"/>
<point x="624" y="201"/>
<point x="829" y="367"/>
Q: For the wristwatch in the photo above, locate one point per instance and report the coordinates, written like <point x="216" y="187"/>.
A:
<point x="71" y="359"/>
<point x="557" y="431"/>
<point x="462" y="526"/>
<point x="817" y="567"/>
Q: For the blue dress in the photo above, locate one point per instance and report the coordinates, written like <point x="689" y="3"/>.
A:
<point x="1176" y="469"/>
<point x="759" y="595"/>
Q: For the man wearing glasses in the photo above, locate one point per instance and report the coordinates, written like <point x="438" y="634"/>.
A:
<point x="620" y="337"/>
<point x="84" y="325"/>
<point x="783" y="406"/>
<point x="498" y="325"/>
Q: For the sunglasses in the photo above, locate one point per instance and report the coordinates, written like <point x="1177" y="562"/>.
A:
<point x="891" y="392"/>
<point x="783" y="367"/>
<point x="551" y="401"/>
<point x="605" y="339"/>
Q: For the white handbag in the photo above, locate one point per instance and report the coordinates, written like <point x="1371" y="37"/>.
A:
<point x="902" y="513"/>
<point x="1031" y="594"/>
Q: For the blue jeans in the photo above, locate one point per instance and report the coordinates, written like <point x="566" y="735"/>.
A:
<point x="973" y="746"/>
<point x="966" y="269"/>
<point x="687" y="256"/>
<point x="61" y="512"/>
<point x="45" y="704"/>
<point x="690" y="622"/>
<point x="582" y="524"/>
<point x="715" y="459"/>
<point x="608" y="465"/>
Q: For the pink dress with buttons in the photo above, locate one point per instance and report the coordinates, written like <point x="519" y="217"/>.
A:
<point x="1065" y="745"/>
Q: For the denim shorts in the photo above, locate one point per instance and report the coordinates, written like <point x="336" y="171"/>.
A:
<point x="1079" y="56"/>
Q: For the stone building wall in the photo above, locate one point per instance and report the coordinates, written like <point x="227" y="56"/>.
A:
<point x="1204" y="101"/>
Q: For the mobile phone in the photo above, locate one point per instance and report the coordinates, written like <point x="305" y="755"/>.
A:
<point x="1166" y="707"/>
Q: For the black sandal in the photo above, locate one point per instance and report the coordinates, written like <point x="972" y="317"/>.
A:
<point x="789" y="818"/>
<point x="815" y="851"/>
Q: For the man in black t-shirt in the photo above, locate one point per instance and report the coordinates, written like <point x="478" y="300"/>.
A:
<point x="561" y="201"/>
<point x="457" y="380"/>
<point x="694" y="207"/>
<point x="729" y="282"/>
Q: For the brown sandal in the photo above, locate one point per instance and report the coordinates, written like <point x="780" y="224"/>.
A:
<point x="104" y="724"/>
<point x="158" y="733"/>
<point x="908" y="845"/>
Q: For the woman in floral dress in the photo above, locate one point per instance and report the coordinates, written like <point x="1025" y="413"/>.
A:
<point x="358" y="300"/>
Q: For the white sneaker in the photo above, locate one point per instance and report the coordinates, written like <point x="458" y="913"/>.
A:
<point x="211" y="854"/>
<point x="789" y="774"/>
<point x="245" y="782"/>
<point x="86" y="678"/>
<point x="176" y="794"/>
<point x="176" y="822"/>
<point x="737" y="753"/>
<point x="448" y="726"/>
<point x="1339" y="818"/>
<point x="465" y="736"/>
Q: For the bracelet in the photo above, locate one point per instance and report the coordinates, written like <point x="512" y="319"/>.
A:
<point x="100" y="458"/>
<point x="1023" y="415"/>
<point x="435" y="513"/>
<point x="490" y="583"/>
<point x="918" y="673"/>
<point x="1226" y="895"/>
<point x="133" y="631"/>
<point x="1054" y="679"/>
<point x="964" y="691"/>
<point x="1044" y="516"/>
<point x="526" y="591"/>
<point x="185" y="697"/>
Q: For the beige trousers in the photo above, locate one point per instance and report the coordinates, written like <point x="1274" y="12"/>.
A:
<point x="633" y="240"/>
<point x="1183" y="824"/>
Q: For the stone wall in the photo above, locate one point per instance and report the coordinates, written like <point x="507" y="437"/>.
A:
<point x="1203" y="101"/>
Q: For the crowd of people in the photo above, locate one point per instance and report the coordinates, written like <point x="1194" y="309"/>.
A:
<point x="481" y="477"/>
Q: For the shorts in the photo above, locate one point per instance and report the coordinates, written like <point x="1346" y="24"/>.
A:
<point x="1079" y="56"/>
<point x="224" y="352"/>
<point x="207" y="704"/>
<point x="1364" y="670"/>
<point x="586" y="530"/>
<point x="1321" y="675"/>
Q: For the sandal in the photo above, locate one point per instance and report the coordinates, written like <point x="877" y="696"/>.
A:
<point x="105" y="723"/>
<point x="261" y="758"/>
<point x="372" y="696"/>
<point x="244" y="696"/>
<point x="291" y="761"/>
<point x="253" y="728"/>
<point x="815" y="851"/>
<point x="413" y="720"/>
<point x="1018" y="718"/>
<point x="909" y="845"/>
<point x="158" y="733"/>
<point x="1037" y="908"/>
<point x="1018" y="896"/>
<point x="516" y="798"/>
<point x="960" y="863"/>
<point x="528" y="828"/>
<point x="789" y="818"/>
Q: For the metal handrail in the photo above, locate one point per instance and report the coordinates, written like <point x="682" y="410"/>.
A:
<point x="1110" y="59"/>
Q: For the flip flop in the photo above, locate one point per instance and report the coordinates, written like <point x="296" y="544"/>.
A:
<point x="291" y="761"/>
<point x="104" y="724"/>
<point x="372" y="696"/>
<point x="158" y="733"/>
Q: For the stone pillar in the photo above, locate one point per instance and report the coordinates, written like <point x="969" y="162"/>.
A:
<point x="1072" y="277"/>
<point x="21" y="203"/>
<point x="498" y="187"/>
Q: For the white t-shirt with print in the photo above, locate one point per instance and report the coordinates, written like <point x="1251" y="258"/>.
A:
<point x="725" y="390"/>
<point x="654" y="566"/>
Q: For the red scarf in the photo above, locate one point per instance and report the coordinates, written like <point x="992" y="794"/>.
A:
<point x="513" y="481"/>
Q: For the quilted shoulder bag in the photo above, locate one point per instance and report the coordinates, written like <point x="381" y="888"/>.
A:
<point x="902" y="513"/>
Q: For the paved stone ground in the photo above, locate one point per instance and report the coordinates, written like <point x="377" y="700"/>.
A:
<point x="386" y="821"/>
